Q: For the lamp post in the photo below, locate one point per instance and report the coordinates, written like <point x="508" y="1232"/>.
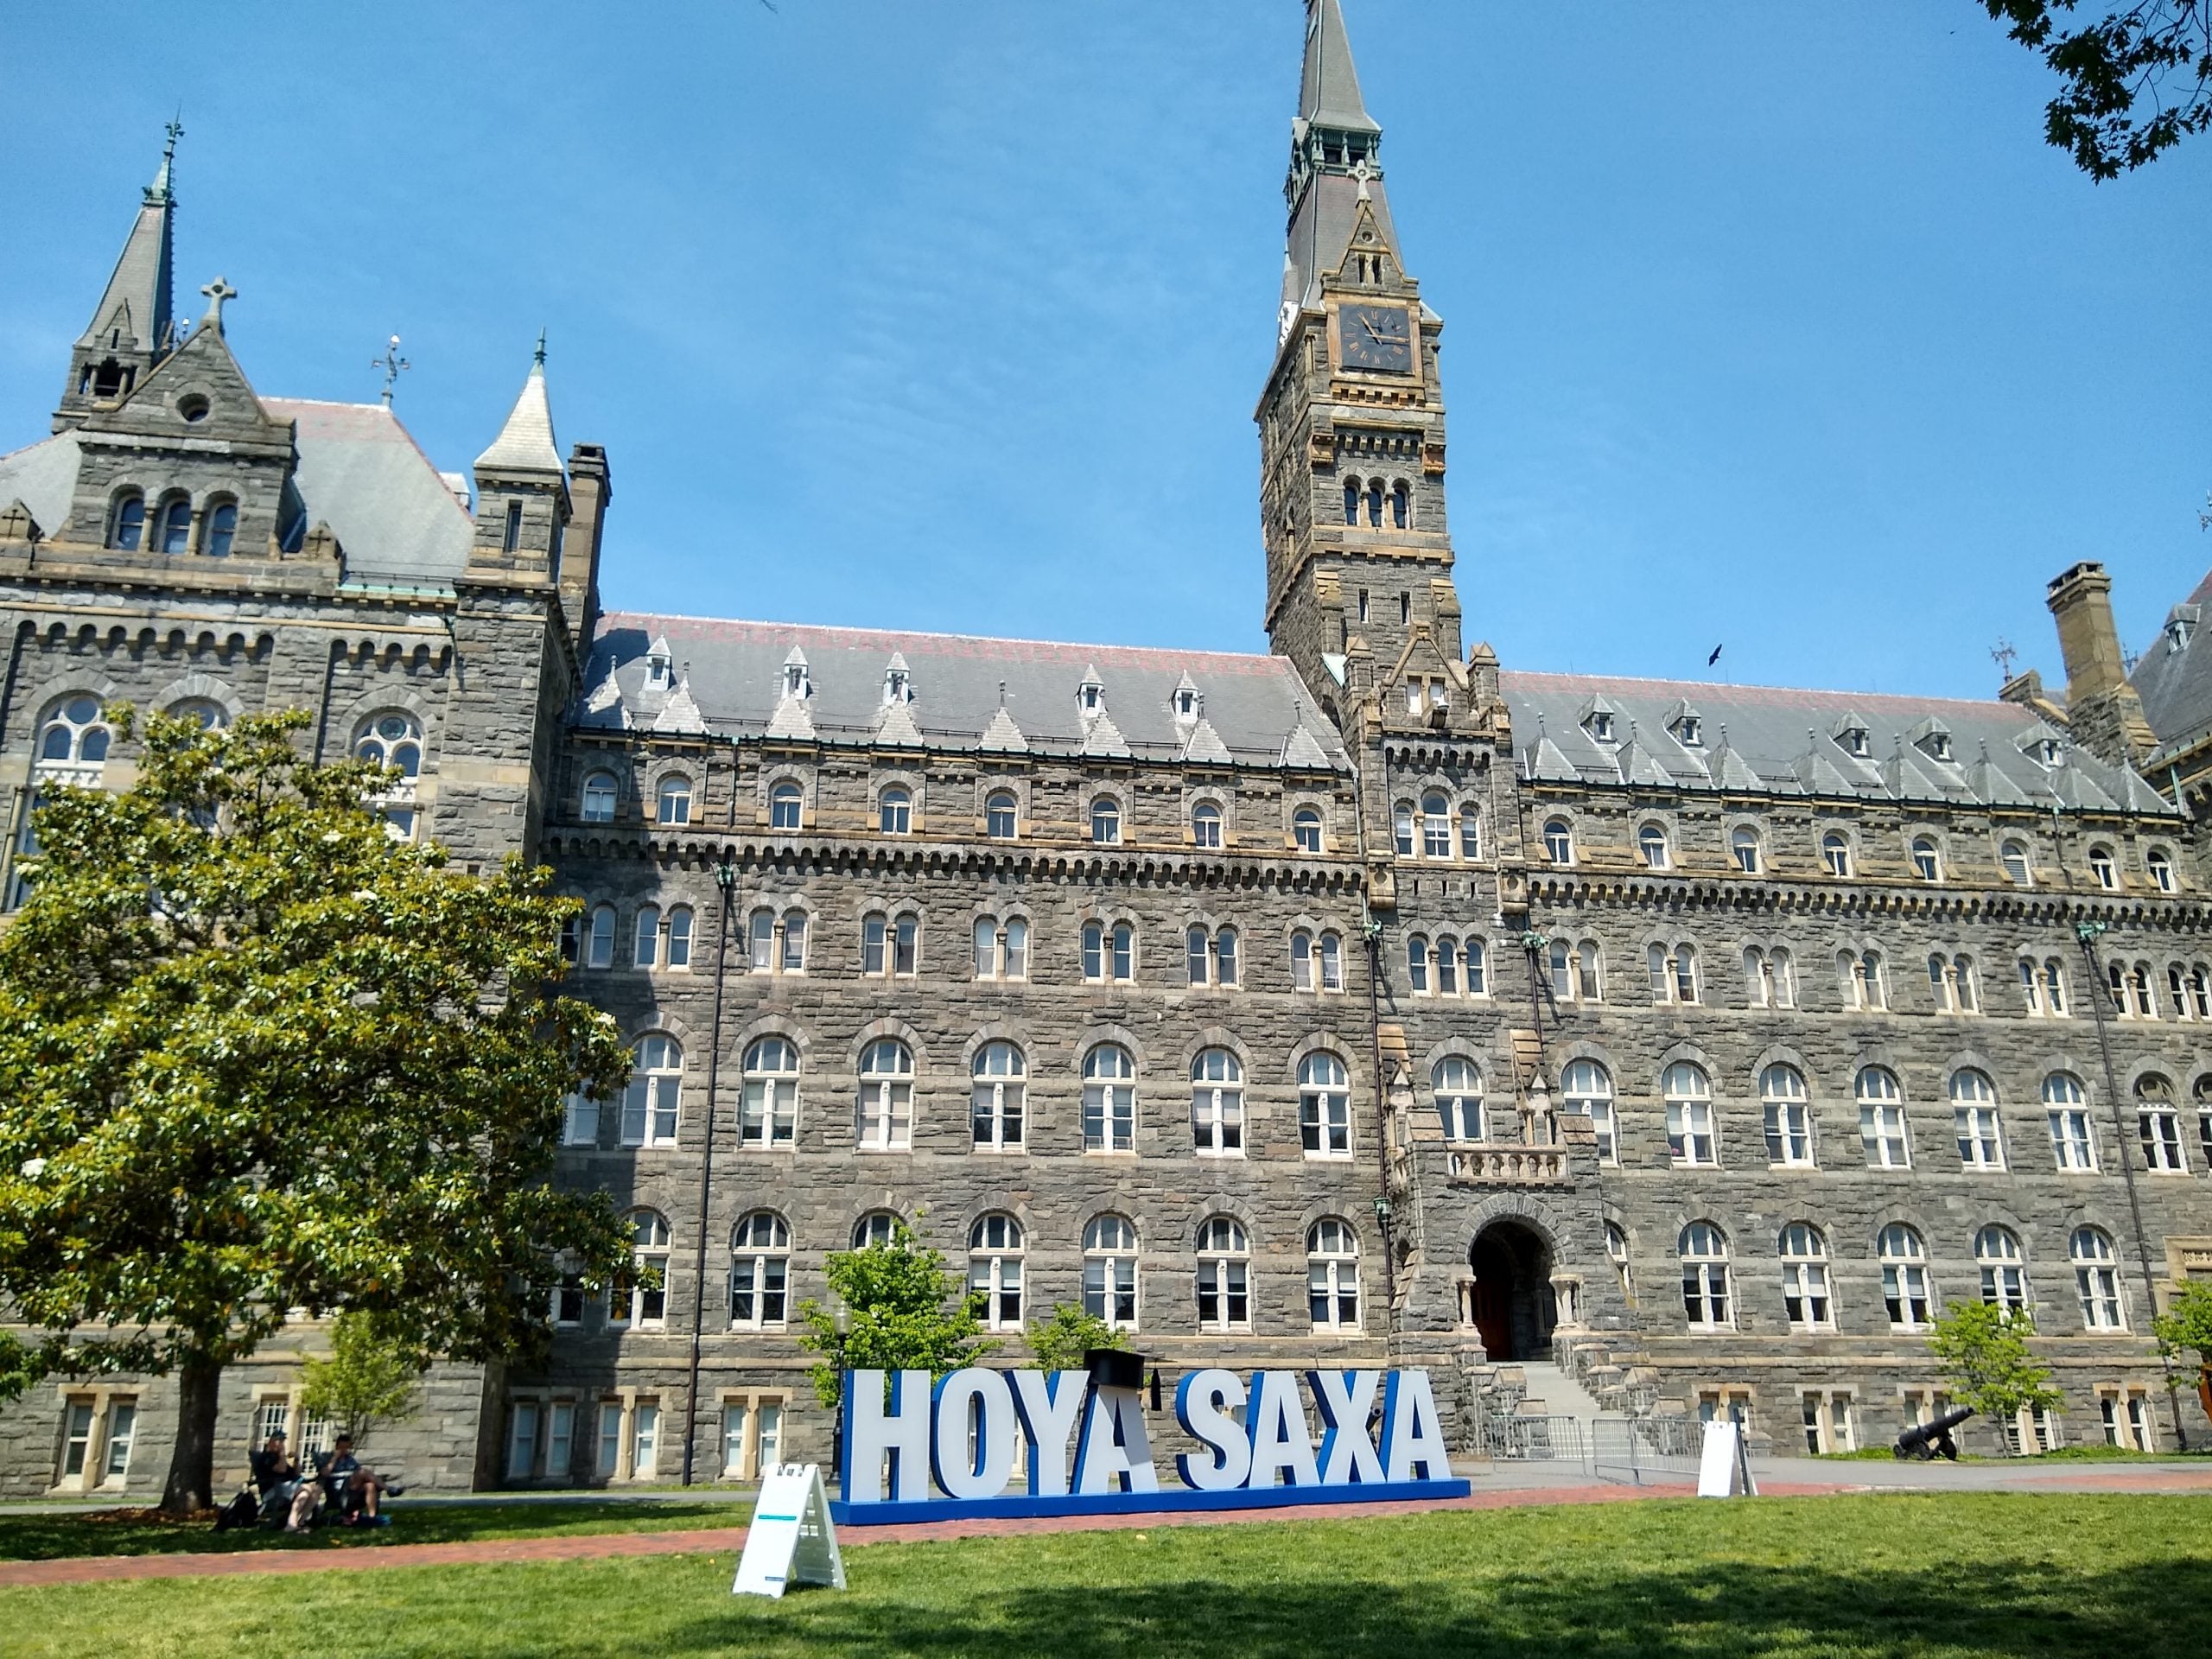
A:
<point x="725" y="879"/>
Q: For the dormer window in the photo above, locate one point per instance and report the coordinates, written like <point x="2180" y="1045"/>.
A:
<point x="1093" y="694"/>
<point x="2044" y="751"/>
<point x="795" y="684"/>
<point x="1186" y="704"/>
<point x="1853" y="739"/>
<point x="655" y="670"/>
<point x="898" y="686"/>
<point x="1601" y="725"/>
<point x="1939" y="746"/>
<point x="2180" y="627"/>
<point x="1688" y="730"/>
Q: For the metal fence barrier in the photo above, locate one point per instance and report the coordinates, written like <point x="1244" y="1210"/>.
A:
<point x="1636" y="1451"/>
<point x="1531" y="1439"/>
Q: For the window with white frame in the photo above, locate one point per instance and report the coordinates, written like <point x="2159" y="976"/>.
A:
<point x="2191" y="991"/>
<point x="599" y="937"/>
<point x="876" y="1231"/>
<point x="1002" y="815"/>
<point x="1435" y="825"/>
<point x="2157" y="1125"/>
<point x="1617" y="1253"/>
<point x="1109" y="951"/>
<point x="1688" y="1094"/>
<point x="2159" y="865"/>
<point x="1587" y="1087"/>
<point x="646" y="938"/>
<point x="2073" y="1140"/>
<point x="392" y="738"/>
<point x="1743" y="843"/>
<point x="1305" y="833"/>
<point x="1332" y="1274"/>
<point x="1316" y="960"/>
<point x="579" y="1121"/>
<point x="2096" y="1281"/>
<point x="676" y="929"/>
<point x="1703" y="1248"/>
<point x="1459" y="1089"/>
<point x="891" y="946"/>
<point x="786" y="806"/>
<point x="2043" y="987"/>
<point x="1673" y="972"/>
<point x="1403" y="829"/>
<point x="767" y="1111"/>
<point x="995" y="1247"/>
<point x="1927" y="861"/>
<point x="2003" y="1268"/>
<point x="1906" y="1290"/>
<point x="894" y="811"/>
<point x="1324" y="1106"/>
<point x="1951" y="983"/>
<point x="1205" y="826"/>
<point x="1974" y="1121"/>
<point x="2012" y="858"/>
<point x="2102" y="867"/>
<point x="760" y="1248"/>
<point x="655" y="1090"/>
<point x="1829" y="1427"/>
<point x="639" y="1297"/>
<point x="1106" y="822"/>
<point x="1001" y="947"/>
<point x="776" y="942"/>
<point x="565" y="1296"/>
<point x="2127" y="1420"/>
<point x="1789" y="1117"/>
<point x="885" y="1120"/>
<point x="1805" y="1299"/>
<point x="999" y="1098"/>
<point x="2132" y="995"/>
<point x="1471" y="831"/>
<point x="1770" y="978"/>
<point x="1651" y="846"/>
<point x="1210" y="956"/>
<point x="599" y="798"/>
<point x="1835" y="854"/>
<point x="1881" y="1119"/>
<point x="673" y="804"/>
<point x="1109" y="1099"/>
<point x="1865" y="980"/>
<point x="1110" y="1271"/>
<point x="1225" y="1275"/>
<point x="1216" y="1104"/>
<point x="1559" y="840"/>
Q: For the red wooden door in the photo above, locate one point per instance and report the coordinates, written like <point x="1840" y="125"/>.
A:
<point x="1493" y="1312"/>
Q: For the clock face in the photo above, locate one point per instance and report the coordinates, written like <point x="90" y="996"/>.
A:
<point x="1377" y="337"/>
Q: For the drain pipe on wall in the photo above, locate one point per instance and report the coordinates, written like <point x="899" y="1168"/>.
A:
<point x="726" y="879"/>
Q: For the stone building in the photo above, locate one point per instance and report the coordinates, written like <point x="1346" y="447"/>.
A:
<point x="1365" y="1002"/>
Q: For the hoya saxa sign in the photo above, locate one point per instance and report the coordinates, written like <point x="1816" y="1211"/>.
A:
<point x="915" y="1452"/>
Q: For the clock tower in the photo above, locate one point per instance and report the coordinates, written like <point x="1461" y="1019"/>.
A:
<point x="1351" y="424"/>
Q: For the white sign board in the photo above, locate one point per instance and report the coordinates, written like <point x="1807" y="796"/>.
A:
<point x="791" y="1539"/>
<point x="1724" y="1469"/>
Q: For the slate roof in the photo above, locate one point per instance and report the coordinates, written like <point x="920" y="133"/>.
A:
<point x="525" y="443"/>
<point x="2174" y="681"/>
<point x="1253" y="710"/>
<point x="1777" y="741"/>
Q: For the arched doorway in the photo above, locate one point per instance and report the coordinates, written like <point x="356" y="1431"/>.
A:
<point x="1513" y="1308"/>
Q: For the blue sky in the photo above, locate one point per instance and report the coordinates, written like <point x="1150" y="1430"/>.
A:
<point x="1771" y="325"/>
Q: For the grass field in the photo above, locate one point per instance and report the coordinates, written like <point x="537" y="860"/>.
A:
<point x="50" y="1536"/>
<point x="1902" y="1577"/>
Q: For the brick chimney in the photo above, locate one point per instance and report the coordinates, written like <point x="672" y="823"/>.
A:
<point x="2102" y="711"/>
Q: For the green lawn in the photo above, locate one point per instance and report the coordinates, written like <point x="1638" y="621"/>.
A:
<point x="47" y="1537"/>
<point x="1904" y="1577"/>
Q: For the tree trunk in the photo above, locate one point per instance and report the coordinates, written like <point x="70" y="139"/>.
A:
<point x="192" y="1465"/>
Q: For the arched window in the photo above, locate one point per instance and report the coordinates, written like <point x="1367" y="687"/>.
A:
<point x="219" y="529"/>
<point x="995" y="1269"/>
<point x="1225" y="1275"/>
<point x="204" y="712"/>
<point x="1447" y="965"/>
<point x="1332" y="1274"/>
<point x="2073" y="1141"/>
<point x="768" y="1114"/>
<point x="1124" y="942"/>
<point x="1402" y="828"/>
<point x="895" y="811"/>
<point x="1351" y="501"/>
<point x="1651" y="842"/>
<point x="1324" y="1106"/>
<point x="172" y="528"/>
<point x="2014" y="855"/>
<point x="1905" y="1277"/>
<point x="759" y="1248"/>
<point x="1744" y="842"/>
<point x="1302" y="961"/>
<point x="1688" y="1094"/>
<point x="1217" y="1104"/>
<point x="74" y="731"/>
<point x="649" y="1104"/>
<point x="599" y="798"/>
<point x="1881" y="1120"/>
<point x="393" y="738"/>
<point x="1789" y="1117"/>
<point x="1305" y="829"/>
<point x="2004" y="1269"/>
<point x="1587" y="1087"/>
<point x="1002" y="815"/>
<point x="1417" y="964"/>
<point x="886" y="1103"/>
<point x="1332" y="972"/>
<point x="2102" y="867"/>
<point x="1436" y="826"/>
<point x="1471" y="831"/>
<point x="1805" y="1278"/>
<point x="1974" y="1119"/>
<point x="1109" y="1099"/>
<point x="786" y="806"/>
<point x="2157" y="1125"/>
<point x="645" y="952"/>
<point x="1205" y="824"/>
<point x="876" y="1231"/>
<point x="1927" y="863"/>
<point x="599" y="945"/>
<point x="1106" y="822"/>
<point x="1459" y="1089"/>
<point x="1559" y="841"/>
<point x="675" y="801"/>
<point x="640" y="1297"/>
<point x="1703" y="1248"/>
<point x="1835" y="852"/>
<point x="1401" y="505"/>
<point x="1374" y="502"/>
<point x="2161" y="866"/>
<point x="999" y="1099"/>
<point x="1617" y="1253"/>
<point x="2096" y="1281"/>
<point x="679" y="936"/>
<point x="126" y="526"/>
<point x="1110" y="1271"/>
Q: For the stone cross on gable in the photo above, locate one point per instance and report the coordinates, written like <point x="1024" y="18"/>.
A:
<point x="217" y="292"/>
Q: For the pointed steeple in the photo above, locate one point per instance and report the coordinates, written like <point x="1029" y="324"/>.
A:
<point x="522" y="507"/>
<point x="1335" y="182"/>
<point x="525" y="442"/>
<point x="131" y="328"/>
<point x="1328" y="94"/>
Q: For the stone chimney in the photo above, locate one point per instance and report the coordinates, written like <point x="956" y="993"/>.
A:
<point x="2102" y="711"/>
<point x="591" y="486"/>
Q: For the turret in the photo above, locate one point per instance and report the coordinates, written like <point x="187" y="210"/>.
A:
<point x="131" y="329"/>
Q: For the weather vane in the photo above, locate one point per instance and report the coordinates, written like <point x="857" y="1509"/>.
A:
<point x="2002" y="654"/>
<point x="391" y="363"/>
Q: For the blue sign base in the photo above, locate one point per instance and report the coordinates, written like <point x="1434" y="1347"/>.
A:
<point x="1168" y="1500"/>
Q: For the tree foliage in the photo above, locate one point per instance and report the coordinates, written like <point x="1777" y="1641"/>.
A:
<point x="905" y="1312"/>
<point x="1060" y="1342"/>
<point x="2135" y="82"/>
<point x="259" y="1056"/>
<point x="1984" y="1351"/>
<point x="2186" y="1326"/>
<point x="368" y="1377"/>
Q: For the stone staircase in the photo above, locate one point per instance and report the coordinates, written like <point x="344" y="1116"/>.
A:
<point x="1552" y="1392"/>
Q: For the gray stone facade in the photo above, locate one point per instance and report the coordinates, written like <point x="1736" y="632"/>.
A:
<point x="1184" y="918"/>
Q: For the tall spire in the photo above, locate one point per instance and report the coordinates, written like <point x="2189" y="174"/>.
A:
<point x="1329" y="95"/>
<point x="131" y="328"/>
<point x="525" y="442"/>
<point x="1335" y="147"/>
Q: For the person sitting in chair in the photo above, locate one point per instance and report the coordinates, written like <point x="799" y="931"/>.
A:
<point x="352" y="1490"/>
<point x="276" y="1476"/>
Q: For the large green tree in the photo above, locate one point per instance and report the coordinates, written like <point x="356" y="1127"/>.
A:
<point x="261" y="1058"/>
<point x="2133" y="82"/>
<point x="902" y="1312"/>
<point x="1984" y="1353"/>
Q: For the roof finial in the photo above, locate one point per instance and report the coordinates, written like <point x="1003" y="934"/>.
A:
<point x="539" y="357"/>
<point x="217" y="292"/>
<point x="391" y="363"/>
<point x="159" y="190"/>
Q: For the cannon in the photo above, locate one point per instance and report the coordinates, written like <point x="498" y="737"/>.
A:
<point x="1925" y="1440"/>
